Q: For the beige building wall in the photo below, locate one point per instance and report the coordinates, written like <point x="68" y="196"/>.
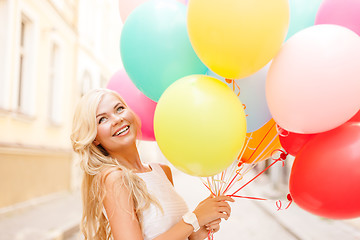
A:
<point x="44" y="58"/>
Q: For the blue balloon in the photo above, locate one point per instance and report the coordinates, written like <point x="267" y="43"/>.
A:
<point x="155" y="47"/>
<point x="251" y="92"/>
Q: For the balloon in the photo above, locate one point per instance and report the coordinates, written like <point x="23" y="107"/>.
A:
<point x="236" y="38"/>
<point x="302" y="15"/>
<point x="155" y="47"/>
<point x="293" y="142"/>
<point x="260" y="144"/>
<point x="340" y="12"/>
<point x="251" y="92"/>
<point x="313" y="83"/>
<point x="200" y="125"/>
<point x="137" y="101"/>
<point x="324" y="179"/>
<point x="127" y="6"/>
<point x="356" y="117"/>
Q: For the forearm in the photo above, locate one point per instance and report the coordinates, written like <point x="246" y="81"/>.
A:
<point x="179" y="231"/>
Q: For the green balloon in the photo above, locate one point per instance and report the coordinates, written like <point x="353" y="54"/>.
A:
<point x="302" y="15"/>
<point x="155" y="47"/>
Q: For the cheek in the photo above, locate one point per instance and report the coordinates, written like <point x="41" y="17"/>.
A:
<point x="101" y="132"/>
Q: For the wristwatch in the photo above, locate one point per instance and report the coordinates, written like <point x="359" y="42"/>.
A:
<point x="190" y="218"/>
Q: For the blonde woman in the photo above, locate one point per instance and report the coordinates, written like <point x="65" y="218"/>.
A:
<point x="123" y="198"/>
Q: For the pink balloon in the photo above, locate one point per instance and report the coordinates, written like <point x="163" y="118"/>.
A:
<point x="313" y="83"/>
<point x="127" y="6"/>
<point x="345" y="13"/>
<point x="143" y="106"/>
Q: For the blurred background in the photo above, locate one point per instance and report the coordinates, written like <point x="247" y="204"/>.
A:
<point x="51" y="53"/>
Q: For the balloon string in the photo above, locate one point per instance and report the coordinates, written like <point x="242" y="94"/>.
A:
<point x="239" y="157"/>
<point x="208" y="187"/>
<point x="254" y="198"/>
<point x="265" y="148"/>
<point x="233" y="85"/>
<point x="261" y="141"/>
<point x="233" y="179"/>
<point x="275" y="161"/>
<point x="279" y="203"/>
<point x="211" y="235"/>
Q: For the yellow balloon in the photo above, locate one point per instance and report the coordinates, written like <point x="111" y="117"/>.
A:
<point x="236" y="38"/>
<point x="200" y="125"/>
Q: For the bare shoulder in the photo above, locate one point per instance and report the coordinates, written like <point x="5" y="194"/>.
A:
<point x="112" y="177"/>
<point x="167" y="171"/>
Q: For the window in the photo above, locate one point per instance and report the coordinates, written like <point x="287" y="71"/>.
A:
<point x="55" y="85"/>
<point x="23" y="97"/>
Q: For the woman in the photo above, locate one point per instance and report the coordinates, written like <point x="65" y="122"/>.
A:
<point x="124" y="198"/>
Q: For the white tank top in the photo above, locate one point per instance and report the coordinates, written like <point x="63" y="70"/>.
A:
<point x="155" y="222"/>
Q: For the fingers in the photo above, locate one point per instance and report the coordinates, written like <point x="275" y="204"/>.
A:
<point x="224" y="207"/>
<point x="224" y="198"/>
<point x="217" y="221"/>
<point x="213" y="227"/>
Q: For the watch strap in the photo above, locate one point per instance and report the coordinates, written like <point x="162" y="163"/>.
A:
<point x="190" y="218"/>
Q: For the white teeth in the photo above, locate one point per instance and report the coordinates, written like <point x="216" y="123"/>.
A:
<point x="121" y="131"/>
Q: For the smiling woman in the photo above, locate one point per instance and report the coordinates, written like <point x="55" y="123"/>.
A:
<point x="123" y="198"/>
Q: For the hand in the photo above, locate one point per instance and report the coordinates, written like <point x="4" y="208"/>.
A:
<point x="213" y="208"/>
<point x="213" y="226"/>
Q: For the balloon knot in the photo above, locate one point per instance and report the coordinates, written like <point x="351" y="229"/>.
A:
<point x="228" y="80"/>
<point x="289" y="197"/>
<point x="283" y="155"/>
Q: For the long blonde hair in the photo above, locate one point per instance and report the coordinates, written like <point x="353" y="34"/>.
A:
<point x="96" y="165"/>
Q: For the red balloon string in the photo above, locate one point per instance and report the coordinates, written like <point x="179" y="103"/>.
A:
<point x="237" y="173"/>
<point x="210" y="235"/>
<point x="253" y="198"/>
<point x="281" y="158"/>
<point x="279" y="203"/>
<point x="257" y="147"/>
<point x="209" y="190"/>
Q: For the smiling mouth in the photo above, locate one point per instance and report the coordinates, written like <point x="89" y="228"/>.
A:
<point x="124" y="129"/>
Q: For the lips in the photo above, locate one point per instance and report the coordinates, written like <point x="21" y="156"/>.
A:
<point x="121" y="130"/>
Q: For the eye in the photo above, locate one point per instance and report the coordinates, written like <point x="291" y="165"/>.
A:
<point x="119" y="109"/>
<point x="102" y="119"/>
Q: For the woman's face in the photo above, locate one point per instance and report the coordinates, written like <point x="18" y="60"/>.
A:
<point x="116" y="127"/>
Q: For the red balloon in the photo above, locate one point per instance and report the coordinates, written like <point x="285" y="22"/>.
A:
<point x="293" y="142"/>
<point x="325" y="177"/>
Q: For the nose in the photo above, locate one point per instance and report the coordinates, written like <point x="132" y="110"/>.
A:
<point x="116" y="119"/>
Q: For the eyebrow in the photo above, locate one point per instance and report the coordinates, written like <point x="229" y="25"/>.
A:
<point x="116" y="105"/>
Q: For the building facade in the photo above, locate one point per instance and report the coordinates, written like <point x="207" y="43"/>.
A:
<point x="52" y="52"/>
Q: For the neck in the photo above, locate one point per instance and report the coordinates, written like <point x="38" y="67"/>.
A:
<point x="130" y="159"/>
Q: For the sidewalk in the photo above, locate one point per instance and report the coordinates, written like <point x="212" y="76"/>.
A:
<point x="58" y="219"/>
<point x="54" y="219"/>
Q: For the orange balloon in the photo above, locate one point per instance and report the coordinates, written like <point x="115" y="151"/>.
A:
<point x="260" y="144"/>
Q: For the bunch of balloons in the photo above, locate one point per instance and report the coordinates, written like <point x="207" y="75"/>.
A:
<point x="220" y="81"/>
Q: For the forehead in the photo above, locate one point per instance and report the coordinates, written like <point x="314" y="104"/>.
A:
<point x="108" y="102"/>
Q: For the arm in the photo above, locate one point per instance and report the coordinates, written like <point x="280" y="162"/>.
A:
<point x="125" y="225"/>
<point x="120" y="210"/>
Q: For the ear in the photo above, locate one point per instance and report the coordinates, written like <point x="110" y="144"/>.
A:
<point x="96" y="142"/>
